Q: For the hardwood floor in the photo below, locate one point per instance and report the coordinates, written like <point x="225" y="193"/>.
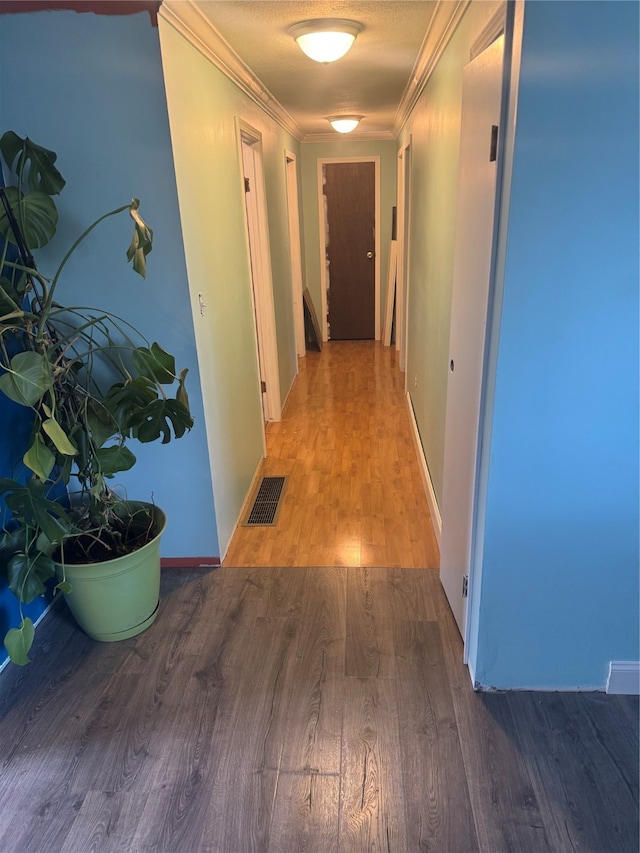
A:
<point x="302" y="709"/>
<point x="290" y="706"/>
<point x="354" y="495"/>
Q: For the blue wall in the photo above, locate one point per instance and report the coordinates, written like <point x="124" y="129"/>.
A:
<point x="90" y="87"/>
<point x="559" y="593"/>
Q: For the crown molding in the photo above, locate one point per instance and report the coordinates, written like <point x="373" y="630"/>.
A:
<point x="354" y="136"/>
<point x="185" y="17"/>
<point x="442" y="25"/>
<point x="494" y="29"/>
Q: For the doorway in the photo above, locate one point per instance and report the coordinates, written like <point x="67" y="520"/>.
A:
<point x="482" y="94"/>
<point x="293" y="218"/>
<point x="260" y="268"/>
<point x="349" y="207"/>
<point x="403" y="238"/>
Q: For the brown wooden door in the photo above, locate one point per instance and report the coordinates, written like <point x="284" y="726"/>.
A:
<point x="350" y="193"/>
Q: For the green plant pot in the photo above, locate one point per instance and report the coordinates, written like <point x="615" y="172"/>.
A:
<point x="118" y="598"/>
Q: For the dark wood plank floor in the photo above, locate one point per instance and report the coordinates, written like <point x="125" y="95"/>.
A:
<point x="302" y="709"/>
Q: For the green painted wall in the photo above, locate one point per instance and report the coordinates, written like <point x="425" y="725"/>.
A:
<point x="434" y="131"/>
<point x="311" y="153"/>
<point x="203" y="105"/>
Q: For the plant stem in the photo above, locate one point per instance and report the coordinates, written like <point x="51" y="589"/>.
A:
<point x="49" y="301"/>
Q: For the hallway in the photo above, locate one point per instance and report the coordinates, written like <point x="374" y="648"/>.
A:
<point x="282" y="706"/>
<point x="354" y="494"/>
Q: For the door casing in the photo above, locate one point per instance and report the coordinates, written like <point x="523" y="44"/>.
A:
<point x="255" y="208"/>
<point x="403" y="226"/>
<point x="476" y="229"/>
<point x="293" y="217"/>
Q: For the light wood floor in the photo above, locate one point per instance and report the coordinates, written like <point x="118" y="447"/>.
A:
<point x="354" y="495"/>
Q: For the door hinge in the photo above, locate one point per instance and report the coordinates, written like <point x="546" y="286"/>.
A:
<point x="247" y="185"/>
<point x="263" y="386"/>
<point x="465" y="586"/>
<point x="493" y="150"/>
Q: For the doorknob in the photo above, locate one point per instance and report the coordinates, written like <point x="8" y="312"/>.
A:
<point x="369" y="254"/>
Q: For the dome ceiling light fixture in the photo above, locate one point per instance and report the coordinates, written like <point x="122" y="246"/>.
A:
<point x="344" y="124"/>
<point x="325" y="39"/>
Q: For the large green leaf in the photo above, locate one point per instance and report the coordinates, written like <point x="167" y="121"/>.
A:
<point x="155" y="363"/>
<point x="10" y="543"/>
<point x="141" y="242"/>
<point x="39" y="459"/>
<point x="8" y="485"/>
<point x="59" y="437"/>
<point x="30" y="506"/>
<point x="124" y="400"/>
<point x="26" y="577"/>
<point x="112" y="460"/>
<point x="157" y="419"/>
<point x="35" y="162"/>
<point x="18" y="641"/>
<point x="101" y="425"/>
<point x="29" y="380"/>
<point x="181" y="393"/>
<point x="36" y="215"/>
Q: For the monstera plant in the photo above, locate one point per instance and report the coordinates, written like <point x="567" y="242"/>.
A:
<point x="89" y="385"/>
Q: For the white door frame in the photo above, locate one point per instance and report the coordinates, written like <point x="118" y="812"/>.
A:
<point x="461" y="459"/>
<point x="293" y="216"/>
<point x="402" y="233"/>
<point x="322" y="218"/>
<point x="249" y="142"/>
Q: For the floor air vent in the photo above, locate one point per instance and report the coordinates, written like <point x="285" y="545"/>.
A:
<point x="264" y="510"/>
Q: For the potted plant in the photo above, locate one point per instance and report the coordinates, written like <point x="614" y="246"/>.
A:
<point x="91" y="384"/>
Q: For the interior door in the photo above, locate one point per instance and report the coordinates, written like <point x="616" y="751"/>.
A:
<point x="253" y="236"/>
<point x="476" y="201"/>
<point x="349" y="189"/>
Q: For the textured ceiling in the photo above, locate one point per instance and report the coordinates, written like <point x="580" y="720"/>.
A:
<point x="370" y="80"/>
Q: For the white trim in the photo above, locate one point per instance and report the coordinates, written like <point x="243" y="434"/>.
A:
<point x="323" y="238"/>
<point x="624" y="677"/>
<point x="493" y="30"/>
<point x="244" y="507"/>
<point x="293" y="222"/>
<point x="189" y="20"/>
<point x="403" y="224"/>
<point x="261" y="282"/>
<point x="506" y="144"/>
<point x="354" y="136"/>
<point x="434" y="509"/>
<point x="442" y="25"/>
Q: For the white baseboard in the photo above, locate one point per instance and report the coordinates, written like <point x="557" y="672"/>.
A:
<point x="624" y="677"/>
<point x="244" y="508"/>
<point x="434" y="509"/>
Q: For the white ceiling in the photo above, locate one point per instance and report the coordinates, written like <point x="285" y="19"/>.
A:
<point x="373" y="79"/>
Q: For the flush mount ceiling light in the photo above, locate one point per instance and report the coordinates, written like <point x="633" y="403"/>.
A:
<point x="325" y="39"/>
<point x="344" y="124"/>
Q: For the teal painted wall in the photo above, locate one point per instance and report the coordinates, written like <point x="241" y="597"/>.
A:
<point x="203" y="107"/>
<point x="559" y="585"/>
<point x="311" y="153"/>
<point x="90" y="87"/>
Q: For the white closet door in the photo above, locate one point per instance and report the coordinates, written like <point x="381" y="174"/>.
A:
<point x="476" y="202"/>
